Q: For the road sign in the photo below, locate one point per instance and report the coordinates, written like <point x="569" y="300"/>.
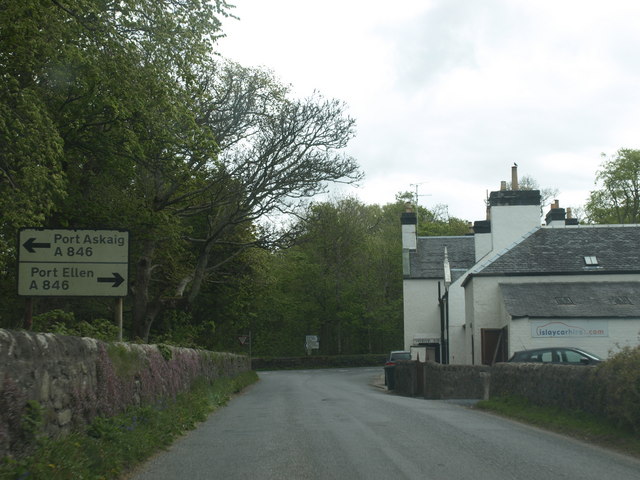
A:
<point x="59" y="262"/>
<point x="312" y="342"/>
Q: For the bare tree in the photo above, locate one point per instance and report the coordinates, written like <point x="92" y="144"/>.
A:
<point x="271" y="153"/>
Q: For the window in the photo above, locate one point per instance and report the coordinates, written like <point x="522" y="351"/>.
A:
<point x="573" y="357"/>
<point x="591" y="261"/>
<point x="564" y="301"/>
<point x="621" y="300"/>
<point x="546" y="357"/>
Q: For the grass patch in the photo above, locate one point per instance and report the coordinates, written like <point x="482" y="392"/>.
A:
<point x="579" y="425"/>
<point x="109" y="447"/>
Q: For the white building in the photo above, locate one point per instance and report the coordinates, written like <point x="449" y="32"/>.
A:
<point x="515" y="284"/>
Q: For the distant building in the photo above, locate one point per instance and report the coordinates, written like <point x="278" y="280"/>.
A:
<point x="514" y="284"/>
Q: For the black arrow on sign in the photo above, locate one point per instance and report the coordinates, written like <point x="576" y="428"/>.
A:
<point x="31" y="244"/>
<point x="116" y="279"/>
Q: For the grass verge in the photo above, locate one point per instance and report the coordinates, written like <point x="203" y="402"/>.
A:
<point x="579" y="425"/>
<point x="109" y="447"/>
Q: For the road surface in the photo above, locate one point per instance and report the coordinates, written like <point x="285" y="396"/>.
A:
<point x="334" y="424"/>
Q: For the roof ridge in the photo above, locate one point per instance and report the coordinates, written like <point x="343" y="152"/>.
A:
<point x="610" y="225"/>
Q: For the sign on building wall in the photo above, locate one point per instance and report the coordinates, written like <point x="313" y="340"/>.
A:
<point x="59" y="262"/>
<point x="569" y="328"/>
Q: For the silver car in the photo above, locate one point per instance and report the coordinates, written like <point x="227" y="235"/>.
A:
<point x="560" y="355"/>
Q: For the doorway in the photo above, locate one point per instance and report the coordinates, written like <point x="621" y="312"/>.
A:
<point x="494" y="345"/>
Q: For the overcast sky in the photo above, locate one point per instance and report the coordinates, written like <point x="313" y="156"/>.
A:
<point x="448" y="94"/>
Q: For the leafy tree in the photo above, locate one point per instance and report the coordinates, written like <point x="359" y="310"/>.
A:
<point x="435" y="222"/>
<point x="341" y="280"/>
<point x="273" y="151"/>
<point x="618" y="198"/>
<point x="85" y="85"/>
<point x="124" y="120"/>
<point x="31" y="180"/>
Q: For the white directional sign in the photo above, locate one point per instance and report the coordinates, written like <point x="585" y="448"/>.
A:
<point x="312" y="342"/>
<point x="92" y="263"/>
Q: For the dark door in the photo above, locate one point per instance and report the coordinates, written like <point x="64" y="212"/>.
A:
<point x="494" y="345"/>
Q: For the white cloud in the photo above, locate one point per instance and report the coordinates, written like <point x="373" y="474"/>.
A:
<point x="452" y="92"/>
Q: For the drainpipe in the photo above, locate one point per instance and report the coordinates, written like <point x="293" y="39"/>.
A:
<point x="443" y="301"/>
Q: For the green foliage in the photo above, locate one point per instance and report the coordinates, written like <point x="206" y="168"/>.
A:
<point x="165" y="351"/>
<point x="431" y="222"/>
<point x="185" y="329"/>
<point x="437" y="222"/>
<point x="125" y="360"/>
<point x="112" y="446"/>
<point x="46" y="321"/>
<point x="114" y="115"/>
<point x="32" y="423"/>
<point x="618" y="198"/>
<point x="65" y="323"/>
<point x="620" y="375"/>
<point x="337" y="282"/>
<point x="341" y="280"/>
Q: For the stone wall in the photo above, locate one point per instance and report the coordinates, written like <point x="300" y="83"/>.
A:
<point x="406" y="377"/>
<point x="76" y="379"/>
<point x="455" y="381"/>
<point x="563" y="386"/>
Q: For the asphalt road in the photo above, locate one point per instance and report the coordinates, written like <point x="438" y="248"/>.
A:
<point x="334" y="424"/>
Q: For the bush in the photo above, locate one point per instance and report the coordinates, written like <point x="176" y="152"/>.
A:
<point x="65" y="323"/>
<point x="620" y="380"/>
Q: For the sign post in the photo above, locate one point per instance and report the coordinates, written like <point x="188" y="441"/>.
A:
<point x="312" y="342"/>
<point x="246" y="340"/>
<point x="74" y="263"/>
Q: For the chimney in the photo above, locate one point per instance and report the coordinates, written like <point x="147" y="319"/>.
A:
<point x="482" y="238"/>
<point x="570" y="220"/>
<point x="556" y="215"/>
<point x="512" y="214"/>
<point x="409" y="221"/>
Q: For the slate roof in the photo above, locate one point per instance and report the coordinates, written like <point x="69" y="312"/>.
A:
<point x="428" y="260"/>
<point x="562" y="251"/>
<point x="572" y="299"/>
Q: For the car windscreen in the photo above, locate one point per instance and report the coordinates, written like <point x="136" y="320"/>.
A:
<point x="401" y="356"/>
